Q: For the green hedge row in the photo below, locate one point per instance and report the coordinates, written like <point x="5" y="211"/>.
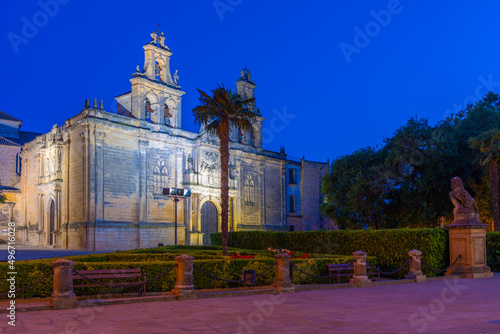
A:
<point x="390" y="247"/>
<point x="29" y="271"/>
<point x="493" y="250"/>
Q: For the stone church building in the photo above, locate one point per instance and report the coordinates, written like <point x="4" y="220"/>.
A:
<point x="96" y="182"/>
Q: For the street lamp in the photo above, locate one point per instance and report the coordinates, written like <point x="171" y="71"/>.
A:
<point x="176" y="194"/>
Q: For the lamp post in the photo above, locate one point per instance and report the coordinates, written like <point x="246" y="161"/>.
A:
<point x="177" y="195"/>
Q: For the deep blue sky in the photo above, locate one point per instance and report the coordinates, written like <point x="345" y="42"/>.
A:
<point x="431" y="58"/>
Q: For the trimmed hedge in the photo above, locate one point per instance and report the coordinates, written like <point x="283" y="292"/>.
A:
<point x="493" y="250"/>
<point x="390" y="247"/>
<point x="29" y="271"/>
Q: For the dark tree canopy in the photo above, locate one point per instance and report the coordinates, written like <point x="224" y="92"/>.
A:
<point x="406" y="181"/>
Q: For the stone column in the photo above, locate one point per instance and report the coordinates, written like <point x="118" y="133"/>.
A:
<point x="415" y="265"/>
<point x="282" y="282"/>
<point x="468" y="240"/>
<point x="63" y="296"/>
<point x="360" y="278"/>
<point x="184" y="287"/>
<point x="143" y="148"/>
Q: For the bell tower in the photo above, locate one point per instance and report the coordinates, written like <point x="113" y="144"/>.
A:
<point x="155" y="95"/>
<point x="246" y="88"/>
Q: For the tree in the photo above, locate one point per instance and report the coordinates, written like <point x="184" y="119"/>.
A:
<point x="354" y="197"/>
<point x="488" y="144"/>
<point x="217" y="114"/>
<point x="407" y="184"/>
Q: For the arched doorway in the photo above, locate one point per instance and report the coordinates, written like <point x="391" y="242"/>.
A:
<point x="52" y="218"/>
<point x="209" y="221"/>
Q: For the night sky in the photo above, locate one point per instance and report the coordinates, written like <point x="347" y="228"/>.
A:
<point x="334" y="75"/>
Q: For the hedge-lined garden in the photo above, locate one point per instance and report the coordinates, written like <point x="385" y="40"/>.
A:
<point x="390" y="247"/>
<point x="155" y="261"/>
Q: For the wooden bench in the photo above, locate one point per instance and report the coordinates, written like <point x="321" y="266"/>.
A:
<point x="111" y="274"/>
<point x="343" y="270"/>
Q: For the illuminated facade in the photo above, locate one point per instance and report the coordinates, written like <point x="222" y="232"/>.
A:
<point x="95" y="183"/>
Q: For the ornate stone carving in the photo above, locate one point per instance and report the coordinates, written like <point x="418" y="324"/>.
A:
<point x="189" y="164"/>
<point x="99" y="135"/>
<point x="465" y="211"/>
<point x="210" y="168"/>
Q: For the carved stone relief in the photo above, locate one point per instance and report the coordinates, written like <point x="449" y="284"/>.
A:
<point x="210" y="169"/>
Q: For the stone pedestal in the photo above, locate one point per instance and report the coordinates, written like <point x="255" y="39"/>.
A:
<point x="63" y="296"/>
<point x="282" y="282"/>
<point x="184" y="287"/>
<point x="415" y="265"/>
<point x="468" y="240"/>
<point x="360" y="278"/>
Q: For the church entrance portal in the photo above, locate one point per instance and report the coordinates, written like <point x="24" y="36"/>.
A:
<point x="209" y="221"/>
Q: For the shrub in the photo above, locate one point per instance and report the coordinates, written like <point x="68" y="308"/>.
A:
<point x="493" y="250"/>
<point x="390" y="247"/>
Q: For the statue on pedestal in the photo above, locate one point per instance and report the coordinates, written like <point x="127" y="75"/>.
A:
<point x="465" y="211"/>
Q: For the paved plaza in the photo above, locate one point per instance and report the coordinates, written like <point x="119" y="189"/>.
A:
<point x="440" y="306"/>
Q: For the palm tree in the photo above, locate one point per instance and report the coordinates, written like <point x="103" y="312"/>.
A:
<point x="488" y="143"/>
<point x="217" y="113"/>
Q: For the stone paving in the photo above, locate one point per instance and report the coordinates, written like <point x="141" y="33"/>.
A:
<point x="435" y="307"/>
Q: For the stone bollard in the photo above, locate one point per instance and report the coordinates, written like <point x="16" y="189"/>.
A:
<point x="63" y="296"/>
<point x="184" y="287"/>
<point x="415" y="265"/>
<point x="282" y="282"/>
<point x="360" y="278"/>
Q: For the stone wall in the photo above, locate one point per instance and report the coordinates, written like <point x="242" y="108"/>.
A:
<point x="312" y="172"/>
<point x="273" y="189"/>
<point x="8" y="175"/>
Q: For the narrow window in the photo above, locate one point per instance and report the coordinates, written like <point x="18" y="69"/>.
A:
<point x="19" y="161"/>
<point x="157" y="71"/>
<point x="292" y="204"/>
<point x="291" y="176"/>
<point x="249" y="191"/>
<point x="160" y="177"/>
<point x="148" y="110"/>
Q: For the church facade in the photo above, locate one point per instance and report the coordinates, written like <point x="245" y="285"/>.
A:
<point x="96" y="182"/>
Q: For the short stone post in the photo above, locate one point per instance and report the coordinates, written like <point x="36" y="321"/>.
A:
<point x="360" y="278"/>
<point x="63" y="296"/>
<point x="184" y="287"/>
<point x="282" y="282"/>
<point x="415" y="265"/>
